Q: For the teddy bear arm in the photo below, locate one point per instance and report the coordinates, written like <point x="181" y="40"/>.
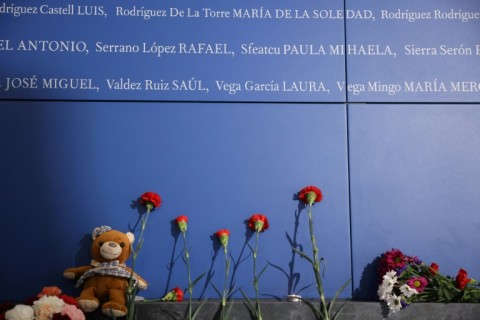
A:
<point x="142" y="283"/>
<point x="75" y="273"/>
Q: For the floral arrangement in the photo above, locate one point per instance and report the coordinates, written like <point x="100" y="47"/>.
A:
<point x="50" y="303"/>
<point x="405" y="279"/>
<point x="309" y="196"/>
<point x="53" y="305"/>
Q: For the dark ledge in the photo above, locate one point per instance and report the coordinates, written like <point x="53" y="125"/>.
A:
<point x="278" y="310"/>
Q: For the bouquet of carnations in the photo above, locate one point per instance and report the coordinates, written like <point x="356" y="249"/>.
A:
<point x="405" y="279"/>
<point x="49" y="304"/>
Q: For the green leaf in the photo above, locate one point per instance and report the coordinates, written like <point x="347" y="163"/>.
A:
<point x="330" y="305"/>
<point x="317" y="312"/>
<point x="196" y="280"/>
<point x="340" y="310"/>
<point x="249" y="302"/>
<point x="226" y="311"/>
<point x="303" y="255"/>
<point x="195" y="313"/>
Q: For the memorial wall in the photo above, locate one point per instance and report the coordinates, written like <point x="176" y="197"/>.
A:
<point x="228" y="108"/>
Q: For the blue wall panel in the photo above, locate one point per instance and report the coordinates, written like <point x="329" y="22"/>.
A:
<point x="414" y="184"/>
<point x="265" y="51"/>
<point x="392" y="142"/>
<point x="413" y="51"/>
<point x="68" y="167"/>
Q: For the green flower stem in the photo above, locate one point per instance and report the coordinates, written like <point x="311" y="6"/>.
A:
<point x="255" y="277"/>
<point x="187" y="263"/>
<point x="131" y="289"/>
<point x="225" y="284"/>
<point x="224" y="312"/>
<point x="316" y="265"/>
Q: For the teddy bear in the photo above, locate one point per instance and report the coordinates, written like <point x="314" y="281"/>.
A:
<point x="106" y="279"/>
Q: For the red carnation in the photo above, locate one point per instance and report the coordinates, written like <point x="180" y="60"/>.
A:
<point x="150" y="200"/>
<point x="50" y="291"/>
<point x="258" y="222"/>
<point x="310" y="195"/>
<point x="182" y="223"/>
<point x="223" y="235"/>
<point x="69" y="300"/>
<point x="462" y="280"/>
<point x="434" y="268"/>
<point x="178" y="294"/>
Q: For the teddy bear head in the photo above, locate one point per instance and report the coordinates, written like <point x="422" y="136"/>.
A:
<point x="109" y="245"/>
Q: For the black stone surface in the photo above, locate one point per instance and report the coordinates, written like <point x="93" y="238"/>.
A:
<point x="279" y="310"/>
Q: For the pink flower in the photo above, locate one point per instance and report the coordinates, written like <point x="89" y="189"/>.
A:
<point x="417" y="283"/>
<point x="392" y="260"/>
<point x="73" y="312"/>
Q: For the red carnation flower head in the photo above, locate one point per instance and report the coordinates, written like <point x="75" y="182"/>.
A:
<point x="434" y="268"/>
<point x="182" y="223"/>
<point x="462" y="280"/>
<point x="69" y="300"/>
<point x="258" y="222"/>
<point x="150" y="200"/>
<point x="50" y="291"/>
<point x="176" y="294"/>
<point x="310" y="195"/>
<point x="223" y="235"/>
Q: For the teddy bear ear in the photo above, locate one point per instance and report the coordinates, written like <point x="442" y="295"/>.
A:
<point x="130" y="237"/>
<point x="99" y="230"/>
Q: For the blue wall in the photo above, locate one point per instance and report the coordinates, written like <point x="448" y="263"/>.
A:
<point x="396" y="170"/>
<point x="69" y="167"/>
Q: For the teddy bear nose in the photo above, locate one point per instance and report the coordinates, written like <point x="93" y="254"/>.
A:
<point x="112" y="244"/>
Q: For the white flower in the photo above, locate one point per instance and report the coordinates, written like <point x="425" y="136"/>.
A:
<point x="394" y="303"/>
<point x="407" y="291"/>
<point x="20" y="312"/>
<point x="390" y="277"/>
<point x="384" y="290"/>
<point x="46" y="306"/>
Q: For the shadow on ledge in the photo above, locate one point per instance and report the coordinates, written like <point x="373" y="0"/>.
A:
<point x="367" y="289"/>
